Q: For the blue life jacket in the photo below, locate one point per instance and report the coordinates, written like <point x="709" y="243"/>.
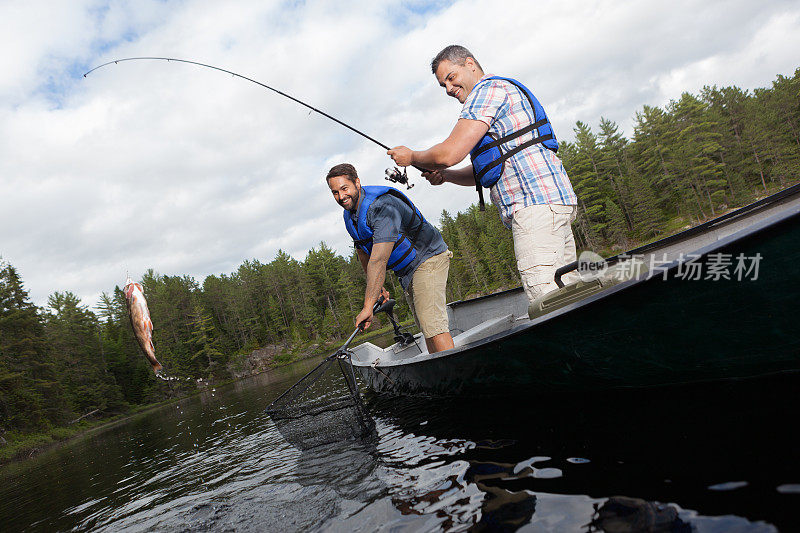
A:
<point x="489" y="155"/>
<point x="403" y="253"/>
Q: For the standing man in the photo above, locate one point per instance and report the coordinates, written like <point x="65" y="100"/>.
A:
<point x="389" y="231"/>
<point x="513" y="151"/>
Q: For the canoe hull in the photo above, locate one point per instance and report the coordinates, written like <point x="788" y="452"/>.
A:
<point x="642" y="333"/>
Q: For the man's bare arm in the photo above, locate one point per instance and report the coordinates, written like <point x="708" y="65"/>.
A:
<point x="459" y="176"/>
<point x="462" y="139"/>
<point x="376" y="271"/>
<point x="376" y="275"/>
<point x="363" y="258"/>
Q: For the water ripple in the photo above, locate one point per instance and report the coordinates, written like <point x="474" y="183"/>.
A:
<point x="218" y="463"/>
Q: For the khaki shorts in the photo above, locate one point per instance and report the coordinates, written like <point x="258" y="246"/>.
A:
<point x="543" y="242"/>
<point x="426" y="295"/>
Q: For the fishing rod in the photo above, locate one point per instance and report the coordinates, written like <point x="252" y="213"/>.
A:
<point x="393" y="175"/>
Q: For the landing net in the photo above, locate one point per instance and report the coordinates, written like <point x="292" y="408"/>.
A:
<point x="323" y="407"/>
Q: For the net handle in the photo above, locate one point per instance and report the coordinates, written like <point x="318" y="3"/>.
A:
<point x="337" y="353"/>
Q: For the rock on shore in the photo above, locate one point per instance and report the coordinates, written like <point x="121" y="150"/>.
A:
<point x="256" y="362"/>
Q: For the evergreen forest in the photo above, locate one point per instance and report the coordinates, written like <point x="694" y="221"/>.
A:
<point x="698" y="156"/>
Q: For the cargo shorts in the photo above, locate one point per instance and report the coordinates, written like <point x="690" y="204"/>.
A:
<point x="543" y="242"/>
<point x="426" y="295"/>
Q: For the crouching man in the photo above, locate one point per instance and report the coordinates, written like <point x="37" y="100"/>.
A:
<point x="390" y="232"/>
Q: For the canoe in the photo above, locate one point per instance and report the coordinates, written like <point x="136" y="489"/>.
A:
<point x="714" y="302"/>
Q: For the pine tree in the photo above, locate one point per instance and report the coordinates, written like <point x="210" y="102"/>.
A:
<point x="647" y="216"/>
<point x="586" y="186"/>
<point x="587" y="181"/>
<point x="30" y="395"/>
<point x="612" y="161"/>
<point x="617" y="224"/>
<point x="132" y="374"/>
<point x="652" y="150"/>
<point x="73" y="337"/>
<point x="698" y="151"/>
<point x="726" y="108"/>
<point x="205" y="344"/>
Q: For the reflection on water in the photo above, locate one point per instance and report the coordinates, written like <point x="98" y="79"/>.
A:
<point x="708" y="458"/>
<point x="619" y="513"/>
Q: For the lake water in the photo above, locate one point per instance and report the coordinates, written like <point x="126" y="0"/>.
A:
<point x="706" y="458"/>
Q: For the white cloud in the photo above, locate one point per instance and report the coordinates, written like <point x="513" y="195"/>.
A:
<point x="190" y="171"/>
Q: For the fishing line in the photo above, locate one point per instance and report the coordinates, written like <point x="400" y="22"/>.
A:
<point x="394" y="176"/>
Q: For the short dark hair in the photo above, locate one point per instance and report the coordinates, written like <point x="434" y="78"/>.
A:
<point x="343" y="169"/>
<point x="456" y="54"/>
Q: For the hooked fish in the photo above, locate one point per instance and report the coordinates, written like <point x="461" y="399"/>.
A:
<point x="140" y="321"/>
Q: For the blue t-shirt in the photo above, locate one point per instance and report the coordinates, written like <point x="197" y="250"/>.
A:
<point x="388" y="216"/>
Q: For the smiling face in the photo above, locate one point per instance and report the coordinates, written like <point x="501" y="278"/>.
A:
<point x="458" y="80"/>
<point x="345" y="191"/>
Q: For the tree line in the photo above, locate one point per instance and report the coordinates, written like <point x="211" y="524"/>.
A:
<point x="688" y="161"/>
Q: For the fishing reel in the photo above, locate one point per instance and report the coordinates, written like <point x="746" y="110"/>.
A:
<point x="396" y="176"/>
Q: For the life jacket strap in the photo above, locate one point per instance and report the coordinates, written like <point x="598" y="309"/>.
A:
<point x="512" y="135"/>
<point x="415" y="214"/>
<point x="502" y="159"/>
<point x="365" y="244"/>
<point x="403" y="257"/>
<point x="402" y="237"/>
<point x="479" y="188"/>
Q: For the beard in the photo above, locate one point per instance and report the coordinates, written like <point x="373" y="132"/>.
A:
<point x="354" y="199"/>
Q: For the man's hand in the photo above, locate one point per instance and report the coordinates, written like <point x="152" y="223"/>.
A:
<point x="435" y="177"/>
<point x="456" y="147"/>
<point x="365" y="317"/>
<point x="402" y="155"/>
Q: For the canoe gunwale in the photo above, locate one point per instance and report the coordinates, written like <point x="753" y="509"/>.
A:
<point x="727" y="218"/>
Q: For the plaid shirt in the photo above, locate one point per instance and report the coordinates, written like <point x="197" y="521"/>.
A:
<point x="534" y="175"/>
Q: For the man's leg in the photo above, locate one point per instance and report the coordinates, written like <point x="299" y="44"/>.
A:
<point x="570" y="252"/>
<point x="543" y="242"/>
<point x="409" y="294"/>
<point x="440" y="342"/>
<point x="430" y="301"/>
<point x="437" y="343"/>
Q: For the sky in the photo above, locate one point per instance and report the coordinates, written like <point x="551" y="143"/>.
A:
<point x="185" y="170"/>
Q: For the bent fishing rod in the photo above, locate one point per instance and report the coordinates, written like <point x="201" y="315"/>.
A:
<point x="393" y="175"/>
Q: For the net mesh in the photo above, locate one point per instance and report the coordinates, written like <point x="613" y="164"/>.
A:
<point x="323" y="407"/>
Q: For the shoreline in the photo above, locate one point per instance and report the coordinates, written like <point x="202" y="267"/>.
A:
<point x="43" y="441"/>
